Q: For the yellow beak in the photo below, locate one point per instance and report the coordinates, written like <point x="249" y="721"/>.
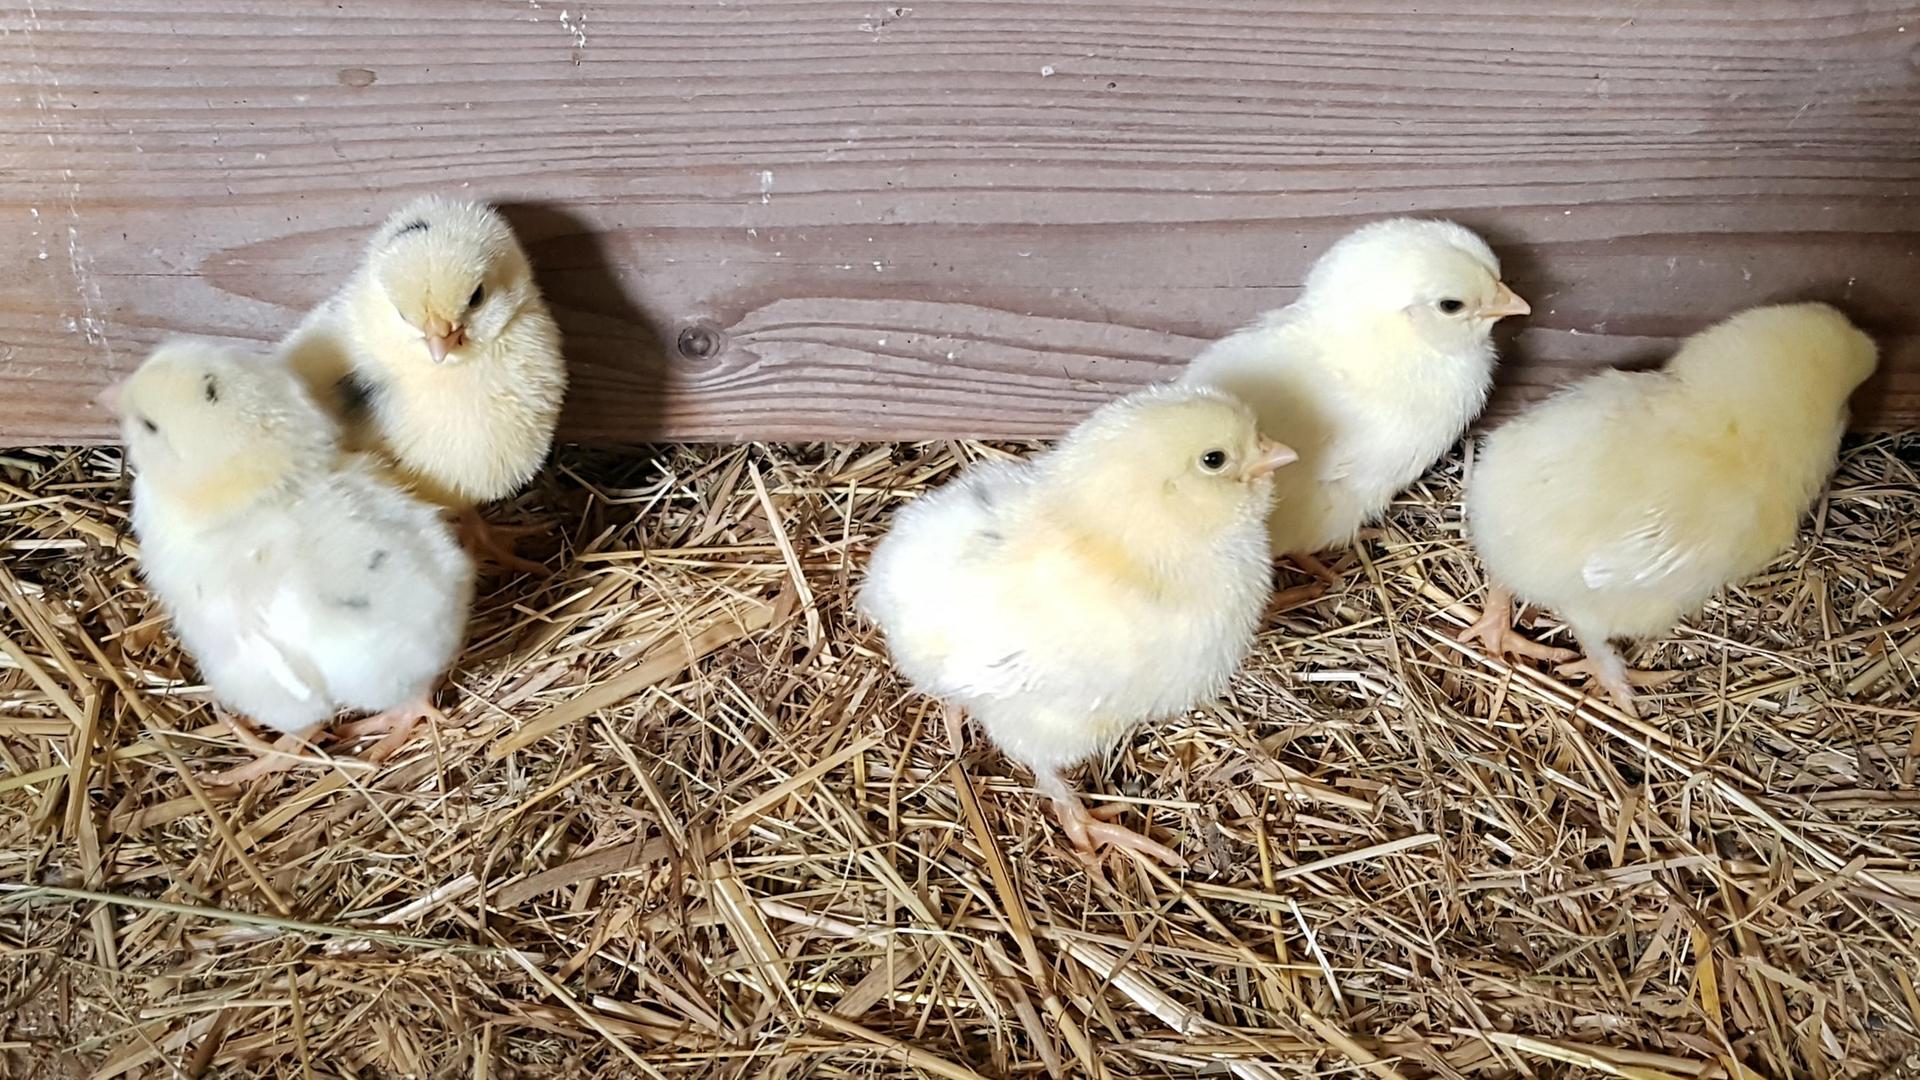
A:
<point x="443" y="337"/>
<point x="1269" y="456"/>
<point x="1505" y="302"/>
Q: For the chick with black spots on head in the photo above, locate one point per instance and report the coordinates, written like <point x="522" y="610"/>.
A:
<point x="304" y="581"/>
<point x="442" y="350"/>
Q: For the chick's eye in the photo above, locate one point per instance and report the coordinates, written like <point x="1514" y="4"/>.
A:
<point x="152" y="428"/>
<point x="1213" y="460"/>
<point x="479" y="294"/>
<point x="1451" y="307"/>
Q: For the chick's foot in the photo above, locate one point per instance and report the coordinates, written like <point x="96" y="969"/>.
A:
<point x="494" y="544"/>
<point x="1609" y="672"/>
<point x="1311" y="564"/>
<point x="1494" y="630"/>
<point x="1088" y="830"/>
<point x="282" y="755"/>
<point x="395" y="725"/>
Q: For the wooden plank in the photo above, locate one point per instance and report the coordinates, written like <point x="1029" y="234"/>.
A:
<point x="943" y="217"/>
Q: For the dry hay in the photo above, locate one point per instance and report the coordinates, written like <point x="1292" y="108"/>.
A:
<point x="686" y="823"/>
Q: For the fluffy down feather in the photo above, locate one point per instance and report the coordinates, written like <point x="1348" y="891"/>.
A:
<point x="303" y="582"/>
<point x="1626" y="501"/>
<point x="440" y="352"/>
<point x="1114" y="580"/>
<point x="347" y="594"/>
<point x="1372" y="374"/>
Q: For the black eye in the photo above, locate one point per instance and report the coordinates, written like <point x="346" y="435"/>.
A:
<point x="152" y="428"/>
<point x="1213" y="460"/>
<point x="479" y="294"/>
<point x="1451" y="307"/>
<point x="213" y="390"/>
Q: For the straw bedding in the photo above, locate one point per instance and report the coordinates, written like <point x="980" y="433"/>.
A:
<point x="685" y="822"/>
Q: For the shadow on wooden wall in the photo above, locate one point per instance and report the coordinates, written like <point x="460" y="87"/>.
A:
<point x="614" y="348"/>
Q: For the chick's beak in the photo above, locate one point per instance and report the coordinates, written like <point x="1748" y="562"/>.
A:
<point x="1505" y="302"/>
<point x="443" y="337"/>
<point x="109" y="398"/>
<point x="1267" y="457"/>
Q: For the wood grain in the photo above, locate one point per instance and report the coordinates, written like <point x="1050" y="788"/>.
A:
<point x="943" y="217"/>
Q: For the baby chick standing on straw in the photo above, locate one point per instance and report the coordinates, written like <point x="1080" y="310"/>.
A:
<point x="445" y="333"/>
<point x="1628" y="499"/>
<point x="303" y="582"/>
<point x="1372" y="374"/>
<point x="1116" y="579"/>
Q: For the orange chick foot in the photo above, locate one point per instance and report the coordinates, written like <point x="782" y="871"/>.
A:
<point x="1504" y="641"/>
<point x="1088" y="831"/>
<point x="1287" y="599"/>
<point x="1611" y="675"/>
<point x="279" y="756"/>
<point x="395" y="725"/>
<point x="1312" y="565"/>
<point x="1494" y="630"/>
<point x="494" y="544"/>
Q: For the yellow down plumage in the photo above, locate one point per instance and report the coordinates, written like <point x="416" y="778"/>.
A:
<point x="1627" y="500"/>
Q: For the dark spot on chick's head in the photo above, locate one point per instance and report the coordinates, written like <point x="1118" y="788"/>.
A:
<point x="378" y="560"/>
<point x="353" y="603"/>
<point x="212" y="388"/>
<point x="411" y="226"/>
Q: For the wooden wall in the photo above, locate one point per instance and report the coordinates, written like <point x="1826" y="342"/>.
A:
<point x="846" y="218"/>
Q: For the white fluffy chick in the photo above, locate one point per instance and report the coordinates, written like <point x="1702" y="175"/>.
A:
<point x="302" y="581"/>
<point x="1627" y="500"/>
<point x="443" y="340"/>
<point x="1372" y="374"/>
<point x="1115" y="579"/>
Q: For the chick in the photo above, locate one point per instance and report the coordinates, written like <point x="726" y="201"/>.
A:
<point x="1627" y="500"/>
<point x="302" y="581"/>
<point x="443" y="341"/>
<point x="1116" y="579"/>
<point x="1372" y="374"/>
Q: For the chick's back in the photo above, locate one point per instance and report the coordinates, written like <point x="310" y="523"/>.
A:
<point x="1627" y="500"/>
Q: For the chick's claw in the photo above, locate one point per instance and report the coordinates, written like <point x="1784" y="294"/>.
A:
<point x="395" y="725"/>
<point x="1312" y="566"/>
<point x="1504" y="641"/>
<point x="1287" y="599"/>
<point x="1610" y="674"/>
<point x="1088" y="831"/>
<point x="1494" y="630"/>
<point x="269" y="758"/>
<point x="494" y="544"/>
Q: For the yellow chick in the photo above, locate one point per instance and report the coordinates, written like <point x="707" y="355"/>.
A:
<point x="1626" y="501"/>
<point x="1115" y="579"/>
<point x="441" y="340"/>
<point x="303" y="582"/>
<point x="1372" y="374"/>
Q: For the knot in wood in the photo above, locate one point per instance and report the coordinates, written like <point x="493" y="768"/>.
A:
<point x="699" y="342"/>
